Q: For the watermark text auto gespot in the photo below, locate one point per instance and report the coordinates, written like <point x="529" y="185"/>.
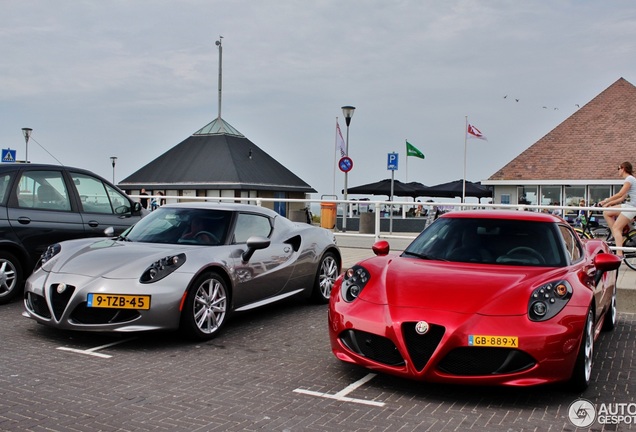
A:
<point x="583" y="413"/>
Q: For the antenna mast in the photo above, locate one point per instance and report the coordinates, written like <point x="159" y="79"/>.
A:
<point x="218" y="43"/>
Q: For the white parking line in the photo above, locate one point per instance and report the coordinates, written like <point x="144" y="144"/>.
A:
<point x="341" y="395"/>
<point x="93" y="351"/>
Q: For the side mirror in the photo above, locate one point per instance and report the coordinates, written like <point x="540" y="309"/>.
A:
<point x="109" y="232"/>
<point x="381" y="247"/>
<point x="606" y="262"/>
<point x="253" y="244"/>
<point x="137" y="207"/>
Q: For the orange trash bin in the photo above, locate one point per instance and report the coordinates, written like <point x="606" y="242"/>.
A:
<point x="328" y="215"/>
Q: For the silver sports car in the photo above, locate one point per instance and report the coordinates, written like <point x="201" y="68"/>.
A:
<point x="184" y="266"/>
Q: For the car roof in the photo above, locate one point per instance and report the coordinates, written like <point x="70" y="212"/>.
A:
<point x="520" y="215"/>
<point x="19" y="165"/>
<point x="206" y="205"/>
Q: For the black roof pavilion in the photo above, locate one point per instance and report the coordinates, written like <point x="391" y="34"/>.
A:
<point x="216" y="157"/>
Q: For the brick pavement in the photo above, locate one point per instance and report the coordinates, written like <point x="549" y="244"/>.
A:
<point x="246" y="380"/>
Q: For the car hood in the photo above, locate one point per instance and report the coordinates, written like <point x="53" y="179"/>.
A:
<point x="111" y="258"/>
<point x="455" y="287"/>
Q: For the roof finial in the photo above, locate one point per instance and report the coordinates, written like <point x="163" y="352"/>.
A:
<point x="218" y="43"/>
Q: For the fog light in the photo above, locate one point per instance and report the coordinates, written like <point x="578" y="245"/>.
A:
<point x="539" y="308"/>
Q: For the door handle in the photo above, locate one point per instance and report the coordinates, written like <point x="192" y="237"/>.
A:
<point x="24" y="220"/>
<point x="93" y="224"/>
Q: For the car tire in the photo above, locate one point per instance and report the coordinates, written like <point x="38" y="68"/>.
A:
<point x="328" y="272"/>
<point x="582" y="371"/>
<point x="609" y="322"/>
<point x="11" y="279"/>
<point x="206" y="307"/>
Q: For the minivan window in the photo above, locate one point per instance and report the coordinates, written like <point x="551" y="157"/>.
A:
<point x="98" y="197"/>
<point x="43" y="190"/>
<point x="4" y="187"/>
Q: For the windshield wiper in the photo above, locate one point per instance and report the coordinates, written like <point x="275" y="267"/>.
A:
<point x="423" y="256"/>
<point x="122" y="238"/>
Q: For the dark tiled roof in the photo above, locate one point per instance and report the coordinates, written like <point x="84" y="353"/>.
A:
<point x="216" y="158"/>
<point x="588" y="145"/>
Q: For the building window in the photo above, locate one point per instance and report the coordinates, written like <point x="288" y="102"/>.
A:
<point x="574" y="194"/>
<point x="598" y="193"/>
<point x="527" y="195"/>
<point x="550" y="195"/>
<point x="505" y="198"/>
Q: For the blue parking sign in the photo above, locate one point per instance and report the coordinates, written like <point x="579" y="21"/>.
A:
<point x="8" y="155"/>
<point x="392" y="162"/>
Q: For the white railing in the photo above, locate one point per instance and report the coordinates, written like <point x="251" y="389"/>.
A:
<point x="379" y="205"/>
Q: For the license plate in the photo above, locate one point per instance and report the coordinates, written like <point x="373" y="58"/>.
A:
<point x="118" y="301"/>
<point x="493" y="341"/>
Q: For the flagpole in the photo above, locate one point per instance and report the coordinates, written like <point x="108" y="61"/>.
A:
<point x="407" y="162"/>
<point x="335" y="159"/>
<point x="465" y="147"/>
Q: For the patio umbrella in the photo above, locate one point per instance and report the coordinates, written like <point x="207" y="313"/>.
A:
<point x="383" y="187"/>
<point x="455" y="189"/>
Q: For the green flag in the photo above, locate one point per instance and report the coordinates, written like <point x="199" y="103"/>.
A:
<point x="411" y="150"/>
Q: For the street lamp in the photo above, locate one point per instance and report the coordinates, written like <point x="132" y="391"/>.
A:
<point x="348" y="113"/>
<point x="113" y="159"/>
<point x="27" y="134"/>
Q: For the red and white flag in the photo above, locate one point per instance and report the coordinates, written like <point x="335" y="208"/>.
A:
<point x="473" y="132"/>
<point x="340" y="142"/>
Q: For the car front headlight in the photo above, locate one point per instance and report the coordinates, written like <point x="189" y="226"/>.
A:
<point x="354" y="282"/>
<point x="162" y="268"/>
<point x="548" y="300"/>
<point x="49" y="253"/>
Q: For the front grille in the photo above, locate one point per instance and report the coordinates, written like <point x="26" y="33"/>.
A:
<point x="374" y="347"/>
<point x="85" y="315"/>
<point x="421" y="347"/>
<point x="485" y="361"/>
<point x="37" y="304"/>
<point x="59" y="301"/>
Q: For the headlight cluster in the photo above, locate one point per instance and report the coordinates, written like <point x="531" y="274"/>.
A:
<point x="548" y="300"/>
<point x="49" y="253"/>
<point x="162" y="268"/>
<point x="353" y="282"/>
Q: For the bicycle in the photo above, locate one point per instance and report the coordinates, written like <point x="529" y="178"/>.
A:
<point x="590" y="229"/>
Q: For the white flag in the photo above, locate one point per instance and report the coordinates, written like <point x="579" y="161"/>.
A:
<point x="340" y="142"/>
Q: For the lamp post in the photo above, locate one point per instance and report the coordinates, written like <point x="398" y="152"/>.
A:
<point x="348" y="113"/>
<point x="27" y="134"/>
<point x="113" y="159"/>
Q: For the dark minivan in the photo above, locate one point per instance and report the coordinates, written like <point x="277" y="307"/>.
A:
<point x="44" y="204"/>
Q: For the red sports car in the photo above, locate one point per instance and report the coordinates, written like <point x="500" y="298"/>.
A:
<point x="479" y="297"/>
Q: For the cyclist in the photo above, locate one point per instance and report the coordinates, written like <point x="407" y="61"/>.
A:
<point x="617" y="220"/>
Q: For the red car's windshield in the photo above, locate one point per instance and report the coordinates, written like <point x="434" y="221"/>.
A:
<point x="491" y="241"/>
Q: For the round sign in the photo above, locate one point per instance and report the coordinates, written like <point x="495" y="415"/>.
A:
<point x="345" y="164"/>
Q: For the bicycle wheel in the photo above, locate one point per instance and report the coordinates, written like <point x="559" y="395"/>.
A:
<point x="582" y="233"/>
<point x="629" y="257"/>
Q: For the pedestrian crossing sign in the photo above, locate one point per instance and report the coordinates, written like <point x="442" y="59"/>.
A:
<point x="8" y="155"/>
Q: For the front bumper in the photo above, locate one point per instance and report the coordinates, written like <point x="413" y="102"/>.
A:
<point x="386" y="340"/>
<point x="69" y="310"/>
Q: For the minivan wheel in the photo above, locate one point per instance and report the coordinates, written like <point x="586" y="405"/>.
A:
<point x="11" y="280"/>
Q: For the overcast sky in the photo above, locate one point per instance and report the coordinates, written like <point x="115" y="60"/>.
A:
<point x="132" y="79"/>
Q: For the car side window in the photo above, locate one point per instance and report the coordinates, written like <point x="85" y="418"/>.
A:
<point x="98" y="197"/>
<point x="5" y="180"/>
<point x="572" y="245"/>
<point x="249" y="224"/>
<point x="43" y="190"/>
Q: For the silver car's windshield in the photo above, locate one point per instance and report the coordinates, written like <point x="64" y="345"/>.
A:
<point x="490" y="241"/>
<point x="182" y="226"/>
